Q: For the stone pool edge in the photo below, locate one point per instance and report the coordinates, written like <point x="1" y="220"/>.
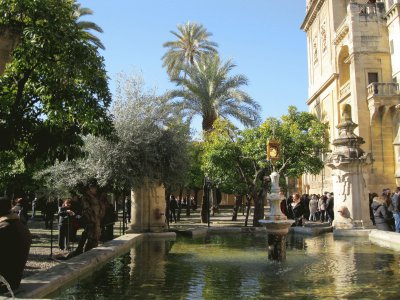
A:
<point x="42" y="284"/>
<point x="45" y="283"/>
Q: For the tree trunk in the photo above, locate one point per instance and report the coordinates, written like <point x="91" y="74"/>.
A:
<point x="167" y="193"/>
<point x="188" y="204"/>
<point x="204" y="212"/>
<point x="247" y="210"/>
<point x="218" y="200"/>
<point x="205" y="205"/>
<point x="196" y="196"/>
<point x="238" y="203"/>
<point x="180" y="201"/>
<point x="258" y="209"/>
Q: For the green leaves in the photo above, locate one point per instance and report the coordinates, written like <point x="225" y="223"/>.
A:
<point x="208" y="90"/>
<point x="192" y="41"/>
<point x="237" y="158"/>
<point x="55" y="89"/>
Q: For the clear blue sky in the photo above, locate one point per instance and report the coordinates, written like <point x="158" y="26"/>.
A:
<point x="262" y="37"/>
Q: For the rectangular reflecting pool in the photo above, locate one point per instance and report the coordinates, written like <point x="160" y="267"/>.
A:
<point x="237" y="267"/>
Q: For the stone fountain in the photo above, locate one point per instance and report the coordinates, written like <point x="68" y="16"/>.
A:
<point x="276" y="223"/>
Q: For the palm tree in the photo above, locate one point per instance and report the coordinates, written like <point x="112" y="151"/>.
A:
<point x="192" y="41"/>
<point x="209" y="91"/>
<point x="86" y="26"/>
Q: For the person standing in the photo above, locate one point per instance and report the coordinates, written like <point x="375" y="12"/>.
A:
<point x="66" y="216"/>
<point x="329" y="208"/>
<point x="34" y="205"/>
<point x="322" y="207"/>
<point x="313" y="206"/>
<point x="396" y="209"/>
<point x="381" y="213"/>
<point x="297" y="210"/>
<point x="282" y="204"/>
<point x="173" y="205"/>
<point x="15" y="241"/>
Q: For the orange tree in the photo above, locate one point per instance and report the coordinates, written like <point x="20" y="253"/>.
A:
<point x="53" y="92"/>
<point x="236" y="159"/>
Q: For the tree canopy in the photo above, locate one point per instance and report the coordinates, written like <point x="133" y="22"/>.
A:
<point x="192" y="41"/>
<point x="55" y="90"/>
<point x="208" y="90"/>
<point x="149" y="142"/>
<point x="236" y="159"/>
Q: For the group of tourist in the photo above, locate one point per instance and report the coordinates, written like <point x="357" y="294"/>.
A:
<point x="92" y="212"/>
<point x="316" y="208"/>
<point x="385" y="210"/>
<point x="176" y="205"/>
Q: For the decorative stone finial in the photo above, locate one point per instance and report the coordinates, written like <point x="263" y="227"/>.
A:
<point x="347" y="145"/>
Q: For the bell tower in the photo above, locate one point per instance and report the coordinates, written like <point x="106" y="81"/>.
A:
<point x="350" y="62"/>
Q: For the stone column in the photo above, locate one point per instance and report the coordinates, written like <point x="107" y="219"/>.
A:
<point x="351" y="205"/>
<point x="396" y="145"/>
<point x="148" y="208"/>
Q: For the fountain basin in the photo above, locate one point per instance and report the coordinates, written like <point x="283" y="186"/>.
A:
<point x="276" y="226"/>
<point x="235" y="267"/>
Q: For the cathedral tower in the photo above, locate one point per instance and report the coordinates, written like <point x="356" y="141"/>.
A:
<point x="354" y="58"/>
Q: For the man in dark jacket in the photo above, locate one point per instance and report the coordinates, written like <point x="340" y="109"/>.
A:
<point x="15" y="241"/>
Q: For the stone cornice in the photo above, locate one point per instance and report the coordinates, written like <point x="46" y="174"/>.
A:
<point x="311" y="14"/>
<point x="322" y="88"/>
<point x="392" y="11"/>
<point x="341" y="33"/>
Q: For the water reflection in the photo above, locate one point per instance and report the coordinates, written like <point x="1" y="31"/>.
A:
<point x="237" y="267"/>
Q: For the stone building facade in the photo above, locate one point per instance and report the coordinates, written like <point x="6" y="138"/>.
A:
<point x="354" y="58"/>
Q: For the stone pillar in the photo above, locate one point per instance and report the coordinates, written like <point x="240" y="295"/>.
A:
<point x="148" y="208"/>
<point x="9" y="39"/>
<point x="396" y="145"/>
<point x="351" y="205"/>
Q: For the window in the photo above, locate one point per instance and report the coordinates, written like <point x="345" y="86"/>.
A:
<point x="372" y="77"/>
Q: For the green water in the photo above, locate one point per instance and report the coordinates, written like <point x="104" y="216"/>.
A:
<point x="237" y="267"/>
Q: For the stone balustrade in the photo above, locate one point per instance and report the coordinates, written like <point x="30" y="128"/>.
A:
<point x="383" y="89"/>
<point x="344" y="90"/>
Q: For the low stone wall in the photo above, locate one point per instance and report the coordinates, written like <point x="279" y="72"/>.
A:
<point x="45" y="283"/>
<point x="386" y="239"/>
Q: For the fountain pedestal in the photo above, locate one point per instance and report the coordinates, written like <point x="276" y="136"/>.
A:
<point x="148" y="208"/>
<point x="276" y="224"/>
<point x="347" y="160"/>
